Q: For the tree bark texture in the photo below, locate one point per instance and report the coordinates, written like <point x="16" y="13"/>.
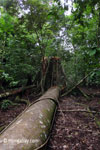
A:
<point x="31" y="129"/>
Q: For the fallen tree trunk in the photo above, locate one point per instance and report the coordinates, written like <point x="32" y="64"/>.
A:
<point x="31" y="129"/>
<point x="17" y="91"/>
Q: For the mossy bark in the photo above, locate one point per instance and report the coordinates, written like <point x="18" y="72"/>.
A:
<point x="32" y="128"/>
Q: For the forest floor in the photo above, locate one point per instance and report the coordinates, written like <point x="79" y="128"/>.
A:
<point x="77" y="121"/>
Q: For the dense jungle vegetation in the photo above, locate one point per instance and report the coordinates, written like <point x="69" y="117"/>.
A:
<point x="50" y="44"/>
<point x="33" y="29"/>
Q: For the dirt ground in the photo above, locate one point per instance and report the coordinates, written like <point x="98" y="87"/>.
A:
<point x="77" y="121"/>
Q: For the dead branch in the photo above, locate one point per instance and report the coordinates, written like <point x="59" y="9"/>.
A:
<point x="11" y="93"/>
<point x="79" y="110"/>
<point x="83" y="93"/>
<point x="70" y="90"/>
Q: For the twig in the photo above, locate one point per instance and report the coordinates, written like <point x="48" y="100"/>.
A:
<point x="79" y="110"/>
<point x="61" y="112"/>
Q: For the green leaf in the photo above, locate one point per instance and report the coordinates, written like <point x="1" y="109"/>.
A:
<point x="92" y="52"/>
<point x="98" y="49"/>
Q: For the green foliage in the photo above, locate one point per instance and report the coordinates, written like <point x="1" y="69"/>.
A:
<point x="83" y="29"/>
<point x="28" y="32"/>
<point x="32" y="29"/>
<point x="6" y="77"/>
<point x="94" y="78"/>
<point x="6" y="104"/>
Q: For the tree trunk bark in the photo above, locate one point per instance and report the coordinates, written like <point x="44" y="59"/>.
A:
<point x="98" y="33"/>
<point x="31" y="129"/>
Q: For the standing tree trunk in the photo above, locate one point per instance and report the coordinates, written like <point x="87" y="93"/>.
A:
<point x="98" y="32"/>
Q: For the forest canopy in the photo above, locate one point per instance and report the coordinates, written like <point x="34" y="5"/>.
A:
<point x="33" y="29"/>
